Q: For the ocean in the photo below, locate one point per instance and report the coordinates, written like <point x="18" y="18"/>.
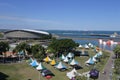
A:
<point x="85" y="37"/>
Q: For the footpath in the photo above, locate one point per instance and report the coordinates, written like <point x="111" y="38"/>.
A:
<point x="107" y="75"/>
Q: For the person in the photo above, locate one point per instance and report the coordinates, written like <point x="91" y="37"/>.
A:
<point x="104" y="72"/>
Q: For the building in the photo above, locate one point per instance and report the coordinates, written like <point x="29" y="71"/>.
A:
<point x="26" y="34"/>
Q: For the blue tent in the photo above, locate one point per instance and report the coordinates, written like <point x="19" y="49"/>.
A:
<point x="34" y="63"/>
<point x="90" y="61"/>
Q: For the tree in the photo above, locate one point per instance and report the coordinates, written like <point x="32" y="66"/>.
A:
<point x="116" y="50"/>
<point x="4" y="46"/>
<point x="117" y="66"/>
<point x="23" y="47"/>
<point x="38" y="51"/>
<point x="1" y="35"/>
<point x="62" y="45"/>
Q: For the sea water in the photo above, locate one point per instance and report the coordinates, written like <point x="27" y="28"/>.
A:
<point x="85" y="37"/>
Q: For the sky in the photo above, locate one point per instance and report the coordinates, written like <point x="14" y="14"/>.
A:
<point x="60" y="14"/>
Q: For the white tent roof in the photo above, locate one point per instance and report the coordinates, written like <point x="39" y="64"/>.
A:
<point x="40" y="67"/>
<point x="80" y="46"/>
<point x="70" y="55"/>
<point x="63" y="57"/>
<point x="96" y="55"/>
<point x="86" y="46"/>
<point x="90" y="61"/>
<point x="72" y="73"/>
<point x="66" y="59"/>
<point x="73" y="62"/>
<point x="60" y="65"/>
<point x="93" y="58"/>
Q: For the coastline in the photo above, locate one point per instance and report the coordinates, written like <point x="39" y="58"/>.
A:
<point x="82" y="38"/>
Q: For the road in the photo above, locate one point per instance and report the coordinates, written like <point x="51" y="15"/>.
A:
<point x="107" y="68"/>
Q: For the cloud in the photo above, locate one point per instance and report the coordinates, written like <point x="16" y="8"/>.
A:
<point x="27" y="20"/>
<point x="7" y="5"/>
<point x="19" y="22"/>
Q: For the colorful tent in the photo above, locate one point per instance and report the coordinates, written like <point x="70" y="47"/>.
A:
<point x="62" y="57"/>
<point x="80" y="46"/>
<point x="40" y="66"/>
<point x="53" y="62"/>
<point x="34" y="63"/>
<point x="90" y="61"/>
<point x="47" y="59"/>
<point x="86" y="46"/>
<point x="70" y="55"/>
<point x="72" y="74"/>
<point x="66" y="59"/>
<point x="98" y="54"/>
<point x="73" y="62"/>
<point x="94" y="59"/>
<point x="60" y="66"/>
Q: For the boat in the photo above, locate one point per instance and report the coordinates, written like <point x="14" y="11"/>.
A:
<point x="114" y="35"/>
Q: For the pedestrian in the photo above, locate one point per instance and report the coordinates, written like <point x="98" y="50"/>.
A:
<point x="104" y="72"/>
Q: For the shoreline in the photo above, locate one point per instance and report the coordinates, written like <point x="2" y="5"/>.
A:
<point x="76" y="38"/>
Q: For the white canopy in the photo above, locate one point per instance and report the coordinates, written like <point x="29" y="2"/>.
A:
<point x="90" y="61"/>
<point x="70" y="55"/>
<point x="60" y="65"/>
<point x="86" y="46"/>
<point x="62" y="57"/>
<point x="80" y="46"/>
<point x="40" y="67"/>
<point x="72" y="74"/>
<point x="66" y="59"/>
<point x="73" y="62"/>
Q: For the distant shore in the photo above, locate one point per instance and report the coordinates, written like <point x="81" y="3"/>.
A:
<point x="76" y="38"/>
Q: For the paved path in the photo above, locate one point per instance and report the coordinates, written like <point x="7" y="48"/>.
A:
<point x="107" y="68"/>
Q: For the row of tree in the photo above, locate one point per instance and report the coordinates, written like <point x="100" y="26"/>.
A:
<point x="117" y="59"/>
<point x="38" y="51"/>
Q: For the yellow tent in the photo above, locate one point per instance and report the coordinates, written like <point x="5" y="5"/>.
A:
<point x="53" y="62"/>
<point x="47" y="59"/>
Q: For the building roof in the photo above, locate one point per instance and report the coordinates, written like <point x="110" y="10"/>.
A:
<point x="36" y="31"/>
<point x="30" y="30"/>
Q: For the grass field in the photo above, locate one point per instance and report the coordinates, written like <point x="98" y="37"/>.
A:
<point x="23" y="71"/>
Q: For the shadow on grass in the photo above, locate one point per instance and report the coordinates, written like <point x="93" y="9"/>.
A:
<point x="3" y="76"/>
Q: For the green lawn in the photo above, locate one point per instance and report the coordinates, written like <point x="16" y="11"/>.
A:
<point x="23" y="71"/>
